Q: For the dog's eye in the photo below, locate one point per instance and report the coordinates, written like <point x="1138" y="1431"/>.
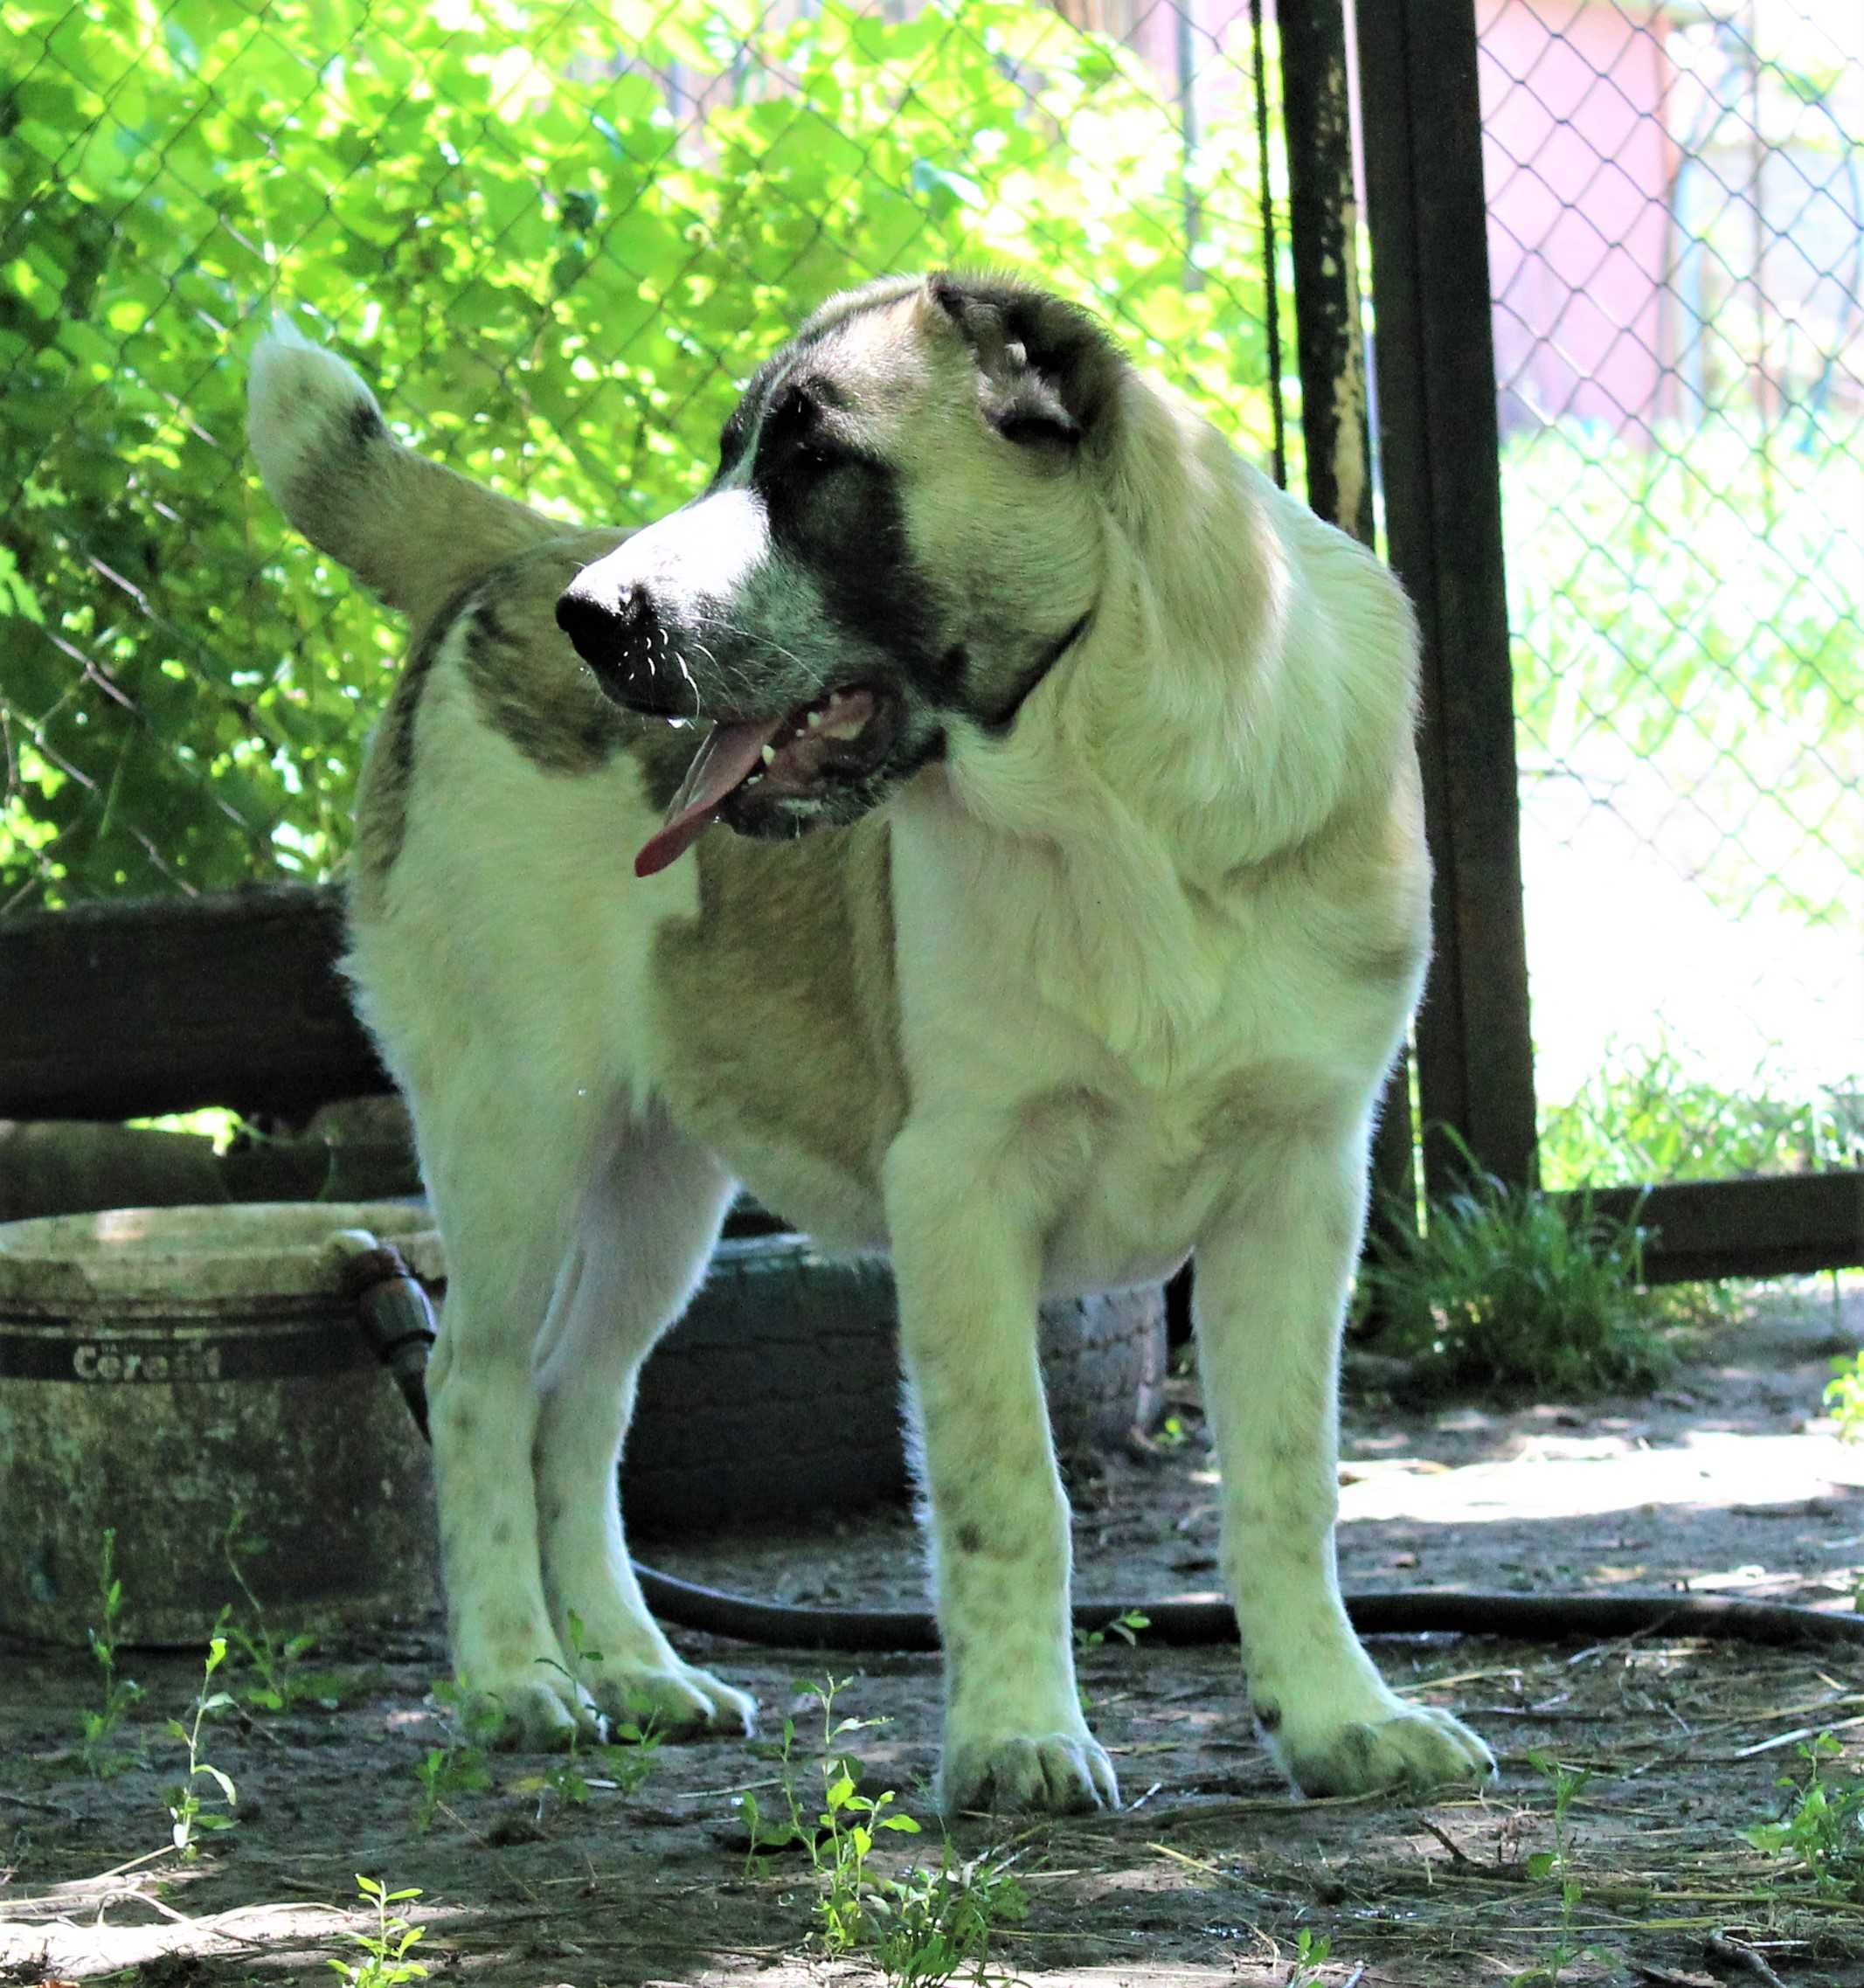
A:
<point x="795" y="437"/>
<point x="795" y="413"/>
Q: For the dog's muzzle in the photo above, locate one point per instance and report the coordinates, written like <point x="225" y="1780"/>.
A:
<point x="613" y="629"/>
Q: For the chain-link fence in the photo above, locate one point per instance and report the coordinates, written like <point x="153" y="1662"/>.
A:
<point x="555" y="238"/>
<point x="1676" y="244"/>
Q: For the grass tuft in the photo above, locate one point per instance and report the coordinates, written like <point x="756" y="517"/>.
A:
<point x="1506" y="1288"/>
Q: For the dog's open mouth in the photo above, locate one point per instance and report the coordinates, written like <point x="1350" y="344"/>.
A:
<point x="841" y="736"/>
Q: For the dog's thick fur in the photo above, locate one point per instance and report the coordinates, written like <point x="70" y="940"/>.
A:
<point x="1097" y="959"/>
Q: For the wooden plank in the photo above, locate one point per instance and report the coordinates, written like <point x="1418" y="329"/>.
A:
<point x="1440" y="456"/>
<point x="114" y="1011"/>
<point x="1777" y="1225"/>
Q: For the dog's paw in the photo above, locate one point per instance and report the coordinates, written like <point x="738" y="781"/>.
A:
<point x="671" y="1700"/>
<point x="1028" y="1773"/>
<point x="1399" y="1746"/>
<point x="526" y="1714"/>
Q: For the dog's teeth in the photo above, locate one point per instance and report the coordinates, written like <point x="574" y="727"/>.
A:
<point x="770" y="755"/>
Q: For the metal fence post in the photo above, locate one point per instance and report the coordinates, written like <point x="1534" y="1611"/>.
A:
<point x="1439" y="451"/>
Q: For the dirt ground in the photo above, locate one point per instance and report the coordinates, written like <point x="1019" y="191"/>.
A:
<point x="1728" y="1481"/>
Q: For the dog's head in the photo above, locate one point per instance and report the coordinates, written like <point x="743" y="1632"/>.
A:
<point x="903" y="536"/>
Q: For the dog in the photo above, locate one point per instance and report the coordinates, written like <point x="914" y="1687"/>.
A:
<point x="1069" y="906"/>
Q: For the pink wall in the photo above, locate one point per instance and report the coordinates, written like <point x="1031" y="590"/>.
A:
<point x="1578" y="168"/>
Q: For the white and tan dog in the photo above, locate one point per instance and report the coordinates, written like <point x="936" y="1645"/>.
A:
<point x="1076" y="908"/>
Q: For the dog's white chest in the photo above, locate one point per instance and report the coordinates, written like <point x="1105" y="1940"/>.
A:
<point x="1132" y="1212"/>
<point x="1133" y="1095"/>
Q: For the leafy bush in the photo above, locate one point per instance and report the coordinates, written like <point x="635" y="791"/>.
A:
<point x="1652" y="1117"/>
<point x="516" y="223"/>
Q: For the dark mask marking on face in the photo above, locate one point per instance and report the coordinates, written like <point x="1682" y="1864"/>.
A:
<point x="837" y="512"/>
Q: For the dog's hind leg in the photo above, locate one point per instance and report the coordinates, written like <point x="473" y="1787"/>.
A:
<point x="648" y="1221"/>
<point x="1270" y="1290"/>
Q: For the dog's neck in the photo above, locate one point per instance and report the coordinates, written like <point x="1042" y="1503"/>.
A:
<point x="1248" y="670"/>
<point x="1248" y="677"/>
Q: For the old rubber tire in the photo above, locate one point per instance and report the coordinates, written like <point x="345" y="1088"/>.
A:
<point x="778" y="1393"/>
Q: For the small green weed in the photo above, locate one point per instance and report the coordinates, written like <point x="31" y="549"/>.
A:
<point x="461" y="1766"/>
<point x="1823" y="1831"/>
<point x="386" y="1950"/>
<point x="1508" y="1289"/>
<point x="924" y="1926"/>
<point x="1566" y="1783"/>
<point x="283" y="1680"/>
<point x="624" y="1762"/>
<point x="840" y="1836"/>
<point x="186" y="1812"/>
<point x="101" y="1758"/>
<point x="935" y="1923"/>
<point x="1127" y="1627"/>
<point x="1312" y="1951"/>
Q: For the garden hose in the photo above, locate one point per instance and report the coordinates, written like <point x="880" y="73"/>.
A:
<point x="398" y="1321"/>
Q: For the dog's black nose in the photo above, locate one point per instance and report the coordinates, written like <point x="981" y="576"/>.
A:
<point x="600" y="621"/>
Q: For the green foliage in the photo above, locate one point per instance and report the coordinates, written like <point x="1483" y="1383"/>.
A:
<point x="936" y="1921"/>
<point x="101" y="1758"/>
<point x="385" y="1963"/>
<point x="188" y="1815"/>
<point x="1312" y="1952"/>
<point x="556" y="283"/>
<point x="1649" y="1117"/>
<point x="1696" y="602"/>
<point x="1127" y="1627"/>
<point x="1508" y="1289"/>
<point x="1845" y="1396"/>
<point x="1823" y="1828"/>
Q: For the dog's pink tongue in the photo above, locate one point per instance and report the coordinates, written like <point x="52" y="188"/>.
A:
<point x="728" y="757"/>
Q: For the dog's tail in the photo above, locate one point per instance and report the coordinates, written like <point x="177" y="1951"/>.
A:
<point x="409" y="528"/>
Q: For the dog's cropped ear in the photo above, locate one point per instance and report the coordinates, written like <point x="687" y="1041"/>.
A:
<point x="1049" y="373"/>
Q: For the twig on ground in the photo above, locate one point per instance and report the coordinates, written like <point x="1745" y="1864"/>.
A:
<point x="1738" y="1956"/>
<point x="1449" y="1843"/>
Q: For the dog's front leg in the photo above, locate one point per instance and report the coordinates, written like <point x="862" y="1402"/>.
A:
<point x="1271" y="1280"/>
<point x="967" y="1262"/>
